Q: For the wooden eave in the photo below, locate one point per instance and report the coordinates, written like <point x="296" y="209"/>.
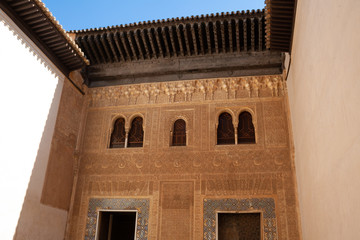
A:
<point x="280" y="15"/>
<point x="196" y="47"/>
<point x="177" y="37"/>
<point x="36" y="21"/>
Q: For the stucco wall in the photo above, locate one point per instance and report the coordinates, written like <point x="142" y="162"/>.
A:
<point x="30" y="93"/>
<point x="183" y="186"/>
<point x="324" y="89"/>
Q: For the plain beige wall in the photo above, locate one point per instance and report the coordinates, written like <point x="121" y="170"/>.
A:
<point x="29" y="101"/>
<point x="324" y="95"/>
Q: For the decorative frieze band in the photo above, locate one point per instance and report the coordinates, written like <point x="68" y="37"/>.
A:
<point x="191" y="90"/>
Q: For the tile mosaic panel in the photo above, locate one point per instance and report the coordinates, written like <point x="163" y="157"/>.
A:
<point x="265" y="205"/>
<point x="139" y="204"/>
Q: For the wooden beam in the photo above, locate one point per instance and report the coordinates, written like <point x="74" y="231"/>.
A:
<point x="103" y="40"/>
<point x="112" y="47"/>
<point x="163" y="33"/>
<point x="188" y="49"/>
<point x="178" y="33"/>
<point x="137" y="40"/>
<point x="245" y="34"/>
<point x="126" y="47"/>
<point x="143" y="37"/>
<point x="208" y="37"/>
<point x="172" y="40"/>
<point x="192" y="27"/>
<point x="157" y="36"/>
<point x="252" y="34"/>
<point x="117" y="44"/>
<point x="152" y="43"/>
<point x="98" y="47"/>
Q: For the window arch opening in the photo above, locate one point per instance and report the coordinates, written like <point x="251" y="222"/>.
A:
<point x="246" y="130"/>
<point x="179" y="133"/>
<point x="117" y="139"/>
<point x="225" y="131"/>
<point x="136" y="133"/>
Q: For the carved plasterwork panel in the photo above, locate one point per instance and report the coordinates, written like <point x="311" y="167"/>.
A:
<point x="188" y="91"/>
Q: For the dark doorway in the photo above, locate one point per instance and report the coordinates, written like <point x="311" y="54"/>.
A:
<point x="239" y="226"/>
<point x="117" y="225"/>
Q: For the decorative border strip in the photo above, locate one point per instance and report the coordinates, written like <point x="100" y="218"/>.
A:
<point x="142" y="206"/>
<point x="265" y="205"/>
<point x="189" y="90"/>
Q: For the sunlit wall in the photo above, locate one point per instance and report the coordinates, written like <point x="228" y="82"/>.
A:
<point x="28" y="90"/>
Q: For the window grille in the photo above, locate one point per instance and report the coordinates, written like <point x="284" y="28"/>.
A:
<point x="225" y="131"/>
<point x="246" y="131"/>
<point x="117" y="139"/>
<point x="179" y="133"/>
<point x="136" y="133"/>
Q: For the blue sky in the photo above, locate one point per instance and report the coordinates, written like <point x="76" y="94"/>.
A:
<point x="82" y="14"/>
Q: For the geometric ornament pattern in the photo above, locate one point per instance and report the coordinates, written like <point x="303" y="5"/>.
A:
<point x="264" y="205"/>
<point x="139" y="204"/>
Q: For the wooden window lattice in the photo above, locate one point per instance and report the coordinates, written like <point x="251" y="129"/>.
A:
<point x="246" y="131"/>
<point x="136" y="133"/>
<point x="225" y="131"/>
<point x="179" y="133"/>
<point x="117" y="139"/>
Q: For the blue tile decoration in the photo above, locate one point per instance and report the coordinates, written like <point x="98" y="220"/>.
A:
<point x="264" y="205"/>
<point x="142" y="206"/>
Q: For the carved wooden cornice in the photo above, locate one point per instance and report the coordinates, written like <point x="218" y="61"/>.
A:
<point x="185" y="91"/>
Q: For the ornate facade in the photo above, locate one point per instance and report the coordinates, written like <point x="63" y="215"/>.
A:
<point x="181" y="122"/>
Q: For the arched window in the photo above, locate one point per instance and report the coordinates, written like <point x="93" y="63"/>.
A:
<point x="179" y="133"/>
<point x="246" y="130"/>
<point x="136" y="134"/>
<point x="117" y="139"/>
<point x="225" y="131"/>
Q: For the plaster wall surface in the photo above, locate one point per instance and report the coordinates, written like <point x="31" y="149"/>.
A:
<point x="178" y="185"/>
<point x="323" y="88"/>
<point x="31" y="88"/>
<point x="60" y="170"/>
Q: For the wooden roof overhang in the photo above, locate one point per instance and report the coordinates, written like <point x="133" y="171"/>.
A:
<point x="280" y="16"/>
<point x="220" y="45"/>
<point x="36" y="21"/>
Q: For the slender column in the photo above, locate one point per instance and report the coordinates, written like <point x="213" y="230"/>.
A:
<point x="236" y="135"/>
<point x="126" y="137"/>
